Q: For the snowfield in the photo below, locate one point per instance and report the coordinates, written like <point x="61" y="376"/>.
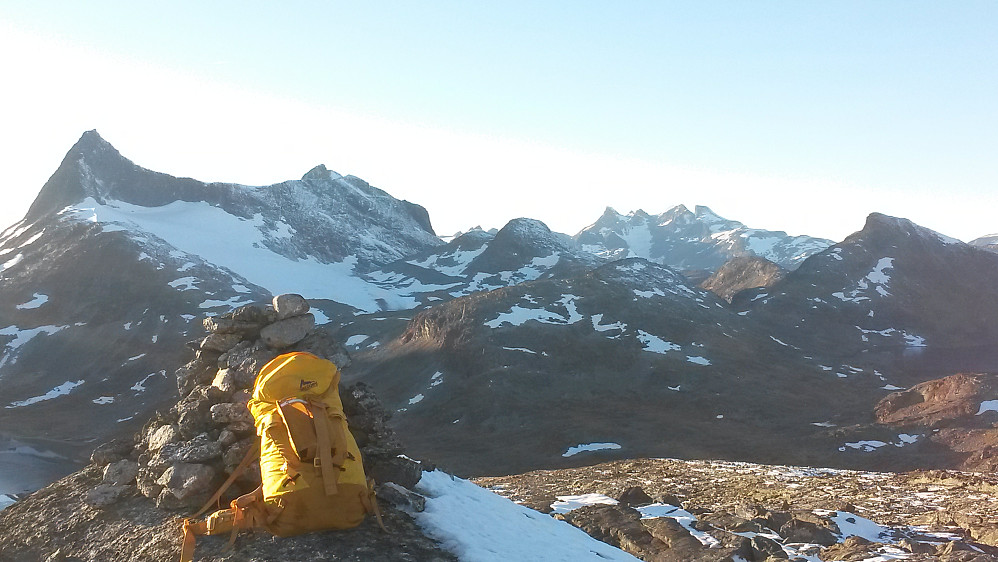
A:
<point x="480" y="526"/>
<point x="199" y="229"/>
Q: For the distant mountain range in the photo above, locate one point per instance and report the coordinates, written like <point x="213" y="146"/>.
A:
<point x="524" y="337"/>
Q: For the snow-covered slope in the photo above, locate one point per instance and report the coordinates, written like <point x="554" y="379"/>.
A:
<point x="698" y="239"/>
<point x="476" y="524"/>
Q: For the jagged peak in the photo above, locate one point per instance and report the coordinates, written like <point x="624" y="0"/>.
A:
<point x="320" y="173"/>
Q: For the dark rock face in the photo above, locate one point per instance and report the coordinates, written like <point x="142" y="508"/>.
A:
<point x="743" y="273"/>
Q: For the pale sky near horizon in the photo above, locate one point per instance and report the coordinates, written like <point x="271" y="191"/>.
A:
<point x="795" y="116"/>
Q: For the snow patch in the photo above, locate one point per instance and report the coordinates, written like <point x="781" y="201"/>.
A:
<point x="476" y="524"/>
<point x="356" y="339"/>
<point x="184" y="283"/>
<point x="567" y="504"/>
<point x="37" y="300"/>
<point x="681" y="516"/>
<point x="141" y="385"/>
<point x="519" y="315"/>
<point x="61" y="390"/>
<point x="589" y="447"/>
<point x="697" y="360"/>
<point x="656" y="344"/>
<point x="988" y="406"/>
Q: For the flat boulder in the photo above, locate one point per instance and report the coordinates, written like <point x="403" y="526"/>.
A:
<point x="287" y="332"/>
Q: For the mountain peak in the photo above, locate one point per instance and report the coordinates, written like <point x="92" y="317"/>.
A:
<point x="80" y="174"/>
<point x="674" y="213"/>
<point x="319" y="173"/>
<point x="879" y="224"/>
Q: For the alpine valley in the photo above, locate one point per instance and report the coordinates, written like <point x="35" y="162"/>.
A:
<point x="682" y="335"/>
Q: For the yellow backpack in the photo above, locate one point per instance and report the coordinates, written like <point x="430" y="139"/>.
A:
<point x="313" y="478"/>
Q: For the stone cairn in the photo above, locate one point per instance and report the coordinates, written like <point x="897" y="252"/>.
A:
<point x="181" y="456"/>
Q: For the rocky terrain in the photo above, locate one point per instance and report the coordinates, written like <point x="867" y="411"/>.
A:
<point x="126" y="503"/>
<point x="741" y="273"/>
<point x="673" y="510"/>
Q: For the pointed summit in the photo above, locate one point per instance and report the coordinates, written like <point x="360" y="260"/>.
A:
<point x="319" y="173"/>
<point x="76" y="178"/>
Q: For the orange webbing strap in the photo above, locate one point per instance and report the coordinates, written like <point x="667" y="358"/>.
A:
<point x="370" y="501"/>
<point x="340" y="452"/>
<point x="187" y="547"/>
<point x="325" y="445"/>
<point x="243" y="465"/>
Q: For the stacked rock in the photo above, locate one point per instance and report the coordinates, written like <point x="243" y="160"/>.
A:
<point x="180" y="457"/>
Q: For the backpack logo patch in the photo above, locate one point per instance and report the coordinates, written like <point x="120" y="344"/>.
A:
<point x="305" y="385"/>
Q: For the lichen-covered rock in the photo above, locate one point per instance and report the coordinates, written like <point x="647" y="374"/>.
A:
<point x="400" y="470"/>
<point x="184" y="480"/>
<point x="121" y="473"/>
<point x="105" y="494"/>
<point x="289" y="305"/>
<point x="401" y="497"/>
<point x="198" y="450"/>
<point x="225" y="380"/>
<point x="220" y="342"/>
<point x="321" y="343"/>
<point x="634" y="496"/>
<point x="163" y="435"/>
<point x="245" y="361"/>
<point x="287" y="332"/>
<point x="194" y="373"/>
<point x="112" y="451"/>
<point x="228" y="413"/>
<point x="146" y="482"/>
<point x="245" y="321"/>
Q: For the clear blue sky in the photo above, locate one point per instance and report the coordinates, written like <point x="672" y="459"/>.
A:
<point x="800" y="116"/>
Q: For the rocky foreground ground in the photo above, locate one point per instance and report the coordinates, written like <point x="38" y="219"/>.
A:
<point x="757" y="512"/>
